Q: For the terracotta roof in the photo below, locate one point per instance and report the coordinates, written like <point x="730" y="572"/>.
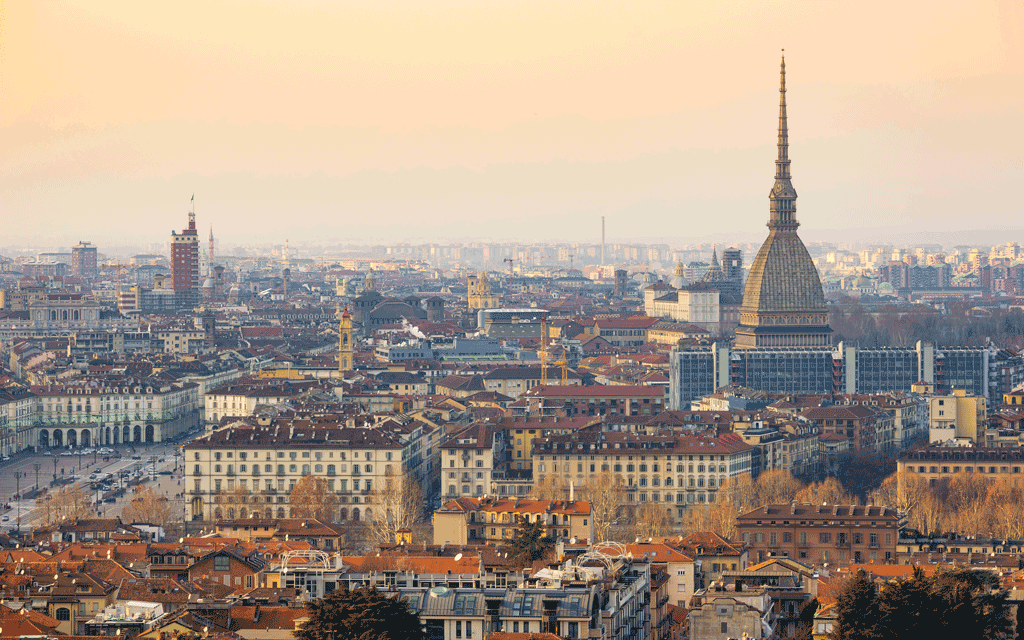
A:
<point x="418" y="564"/>
<point x="596" y="391"/>
<point x="518" y="505"/>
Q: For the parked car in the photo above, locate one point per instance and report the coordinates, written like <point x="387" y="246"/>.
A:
<point x="136" y="457"/>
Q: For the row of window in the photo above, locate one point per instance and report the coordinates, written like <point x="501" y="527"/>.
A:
<point x="824" y="537"/>
<point x="317" y="455"/>
<point x="292" y="468"/>
<point x="957" y="469"/>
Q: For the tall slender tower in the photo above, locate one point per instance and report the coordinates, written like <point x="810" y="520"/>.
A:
<point x="209" y="267"/>
<point x="783" y="304"/>
<point x="185" y="263"/>
<point x="345" y="342"/>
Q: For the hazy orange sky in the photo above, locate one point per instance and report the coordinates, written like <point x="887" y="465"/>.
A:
<point x="370" y="121"/>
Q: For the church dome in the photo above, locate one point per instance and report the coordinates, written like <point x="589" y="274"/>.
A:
<point x="783" y="277"/>
<point x="714" y="274"/>
<point x="679" y="281"/>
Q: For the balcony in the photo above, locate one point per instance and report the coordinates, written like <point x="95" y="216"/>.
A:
<point x="842" y="544"/>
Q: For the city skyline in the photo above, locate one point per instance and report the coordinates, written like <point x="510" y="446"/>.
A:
<point x="529" y="123"/>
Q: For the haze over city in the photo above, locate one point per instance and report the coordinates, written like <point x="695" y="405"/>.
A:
<point x="352" y="122"/>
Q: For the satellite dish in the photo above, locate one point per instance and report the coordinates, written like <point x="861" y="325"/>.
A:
<point x="458" y="557"/>
<point x="572" y="540"/>
<point x="637" y="541"/>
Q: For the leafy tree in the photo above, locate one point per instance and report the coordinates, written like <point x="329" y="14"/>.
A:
<point x="857" y="610"/>
<point x="949" y="605"/>
<point x="970" y="604"/>
<point x="805" y="624"/>
<point x="529" y="543"/>
<point x="907" y="607"/>
<point x="361" y="614"/>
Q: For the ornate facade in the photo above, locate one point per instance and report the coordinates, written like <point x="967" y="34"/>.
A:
<point x="479" y="293"/>
<point x="783" y="304"/>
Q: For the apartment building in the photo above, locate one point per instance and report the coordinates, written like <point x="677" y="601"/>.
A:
<point x="474" y="521"/>
<point x="266" y="462"/>
<point x="460" y="599"/>
<point x="816" y="534"/>
<point x="112" y="410"/>
<point x="869" y="429"/>
<point x="239" y="398"/>
<point x="468" y="460"/>
<point x="937" y="462"/>
<point x="957" y="417"/>
<point x="672" y="470"/>
<point x="603" y="400"/>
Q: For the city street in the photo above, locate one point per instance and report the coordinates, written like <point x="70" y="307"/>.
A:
<point x="22" y="470"/>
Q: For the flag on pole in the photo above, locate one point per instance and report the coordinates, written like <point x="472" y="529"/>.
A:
<point x="193" y="197"/>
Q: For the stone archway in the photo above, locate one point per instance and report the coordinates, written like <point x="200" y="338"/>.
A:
<point x="44" y="438"/>
<point x="58" y="438"/>
<point x="197" y="508"/>
<point x="138" y="433"/>
<point x="127" y="435"/>
<point x="86" y="437"/>
<point x="72" y="438"/>
<point x="106" y="436"/>
<point x="150" y="432"/>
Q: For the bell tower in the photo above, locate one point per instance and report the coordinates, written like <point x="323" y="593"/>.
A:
<point x="345" y="342"/>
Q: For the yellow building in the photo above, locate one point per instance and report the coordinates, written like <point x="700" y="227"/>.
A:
<point x="473" y="520"/>
<point x="345" y="356"/>
<point x="479" y="294"/>
<point x="957" y="416"/>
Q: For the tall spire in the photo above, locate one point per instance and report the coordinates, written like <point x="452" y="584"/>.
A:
<point x="783" y="195"/>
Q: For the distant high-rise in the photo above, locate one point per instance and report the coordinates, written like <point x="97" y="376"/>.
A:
<point x="185" y="264"/>
<point x="83" y="260"/>
<point x="783" y="304"/>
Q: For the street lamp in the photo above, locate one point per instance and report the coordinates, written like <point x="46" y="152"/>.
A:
<point x="17" y="480"/>
<point x="37" y="466"/>
<point x="55" y="468"/>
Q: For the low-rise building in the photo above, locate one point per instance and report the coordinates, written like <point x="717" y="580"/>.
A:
<point x="472" y="520"/>
<point x="957" y="417"/>
<point x="819" y="534"/>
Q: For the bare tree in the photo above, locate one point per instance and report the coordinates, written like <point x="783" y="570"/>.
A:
<point x="605" y="491"/>
<point x="237" y="502"/>
<point x="394" y="503"/>
<point x="968" y="493"/>
<point x="67" y="503"/>
<point x="1006" y="500"/>
<point x="549" y="487"/>
<point x="311" y="498"/>
<point x="828" y="491"/>
<point x="775" y="487"/>
<point x="650" y="520"/>
<point x="736" y="495"/>
<point x="150" y="508"/>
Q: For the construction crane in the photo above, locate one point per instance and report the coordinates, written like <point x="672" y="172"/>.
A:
<point x="565" y="371"/>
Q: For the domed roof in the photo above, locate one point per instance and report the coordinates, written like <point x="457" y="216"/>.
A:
<point x="679" y="281"/>
<point x="208" y="284"/>
<point x="714" y="274"/>
<point x="783" y="277"/>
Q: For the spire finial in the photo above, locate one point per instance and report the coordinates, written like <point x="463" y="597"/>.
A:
<point x="783" y="196"/>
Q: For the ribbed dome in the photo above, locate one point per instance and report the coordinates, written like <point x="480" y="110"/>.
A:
<point x="714" y="274"/>
<point x="783" y="278"/>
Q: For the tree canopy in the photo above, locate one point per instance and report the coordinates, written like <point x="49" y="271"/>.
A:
<point x="360" y="614"/>
<point x="948" y="605"/>
<point x="530" y="543"/>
